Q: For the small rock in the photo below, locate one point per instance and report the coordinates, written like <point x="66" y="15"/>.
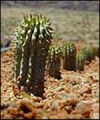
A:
<point x="94" y="116"/>
<point x="55" y="104"/>
<point x="85" y="90"/>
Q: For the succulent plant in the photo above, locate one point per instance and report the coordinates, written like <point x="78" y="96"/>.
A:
<point x="80" y="61"/>
<point x="89" y="53"/>
<point x="33" y="38"/>
<point x="69" y="56"/>
<point x="54" y="62"/>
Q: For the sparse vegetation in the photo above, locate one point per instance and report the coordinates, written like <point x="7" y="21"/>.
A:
<point x="70" y="25"/>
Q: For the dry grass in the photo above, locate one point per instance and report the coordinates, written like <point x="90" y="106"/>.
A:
<point x="68" y="25"/>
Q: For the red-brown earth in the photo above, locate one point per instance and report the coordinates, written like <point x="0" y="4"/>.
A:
<point x="75" y="96"/>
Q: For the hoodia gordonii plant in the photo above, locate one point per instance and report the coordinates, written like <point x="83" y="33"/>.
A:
<point x="54" y="62"/>
<point x="69" y="56"/>
<point x="33" y="38"/>
<point x="89" y="53"/>
<point x="80" y="61"/>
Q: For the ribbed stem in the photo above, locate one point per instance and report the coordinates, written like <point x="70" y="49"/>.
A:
<point x="69" y="56"/>
<point x="33" y="40"/>
<point x="54" y="62"/>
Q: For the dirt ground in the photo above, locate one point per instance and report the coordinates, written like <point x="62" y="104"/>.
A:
<point x="75" y="96"/>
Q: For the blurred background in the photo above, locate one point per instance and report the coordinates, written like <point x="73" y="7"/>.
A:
<point x="71" y="20"/>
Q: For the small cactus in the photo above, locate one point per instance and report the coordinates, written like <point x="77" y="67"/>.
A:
<point x="89" y="53"/>
<point x="69" y="56"/>
<point x="80" y="61"/>
<point x="54" y="62"/>
<point x="33" y="38"/>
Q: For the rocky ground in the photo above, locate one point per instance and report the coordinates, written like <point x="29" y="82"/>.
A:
<point x="75" y="96"/>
